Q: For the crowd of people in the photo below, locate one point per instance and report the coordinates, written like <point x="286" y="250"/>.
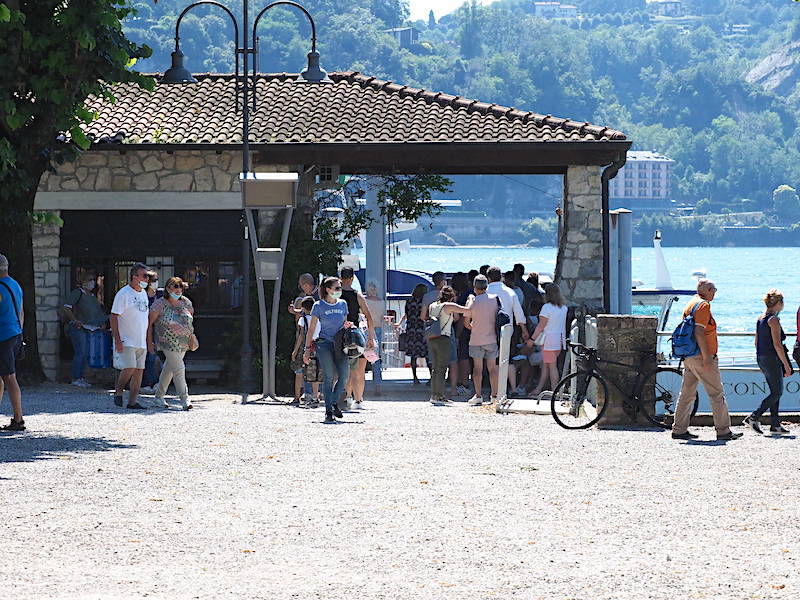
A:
<point x="453" y="326"/>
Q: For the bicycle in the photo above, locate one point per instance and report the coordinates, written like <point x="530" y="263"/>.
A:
<point x="577" y="401"/>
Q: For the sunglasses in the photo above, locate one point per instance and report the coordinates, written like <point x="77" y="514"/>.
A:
<point x="336" y="289"/>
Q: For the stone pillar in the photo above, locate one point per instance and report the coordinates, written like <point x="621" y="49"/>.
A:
<point x="46" y="246"/>
<point x="625" y="339"/>
<point x="579" y="269"/>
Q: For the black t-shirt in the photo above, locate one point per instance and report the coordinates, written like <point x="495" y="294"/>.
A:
<point x="353" y="310"/>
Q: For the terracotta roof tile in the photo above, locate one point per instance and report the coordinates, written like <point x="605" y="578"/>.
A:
<point x="355" y="109"/>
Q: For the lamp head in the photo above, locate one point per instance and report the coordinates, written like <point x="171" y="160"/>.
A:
<point x="177" y="73"/>
<point x="313" y="73"/>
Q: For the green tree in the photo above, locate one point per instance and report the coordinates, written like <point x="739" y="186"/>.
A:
<point x="431" y="20"/>
<point x="53" y="55"/>
<point x="786" y="204"/>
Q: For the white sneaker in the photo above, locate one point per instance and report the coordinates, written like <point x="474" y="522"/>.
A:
<point x="82" y="383"/>
<point x="475" y="401"/>
<point x="438" y="402"/>
<point x="359" y="404"/>
<point x="148" y="389"/>
<point x="159" y="402"/>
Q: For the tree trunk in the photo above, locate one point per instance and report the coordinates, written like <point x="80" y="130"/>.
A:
<point x="17" y="244"/>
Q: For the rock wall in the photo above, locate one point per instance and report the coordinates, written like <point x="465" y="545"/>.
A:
<point x="579" y="269"/>
<point x="46" y="246"/>
<point x="630" y="340"/>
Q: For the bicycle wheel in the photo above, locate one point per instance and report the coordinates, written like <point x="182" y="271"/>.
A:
<point x="576" y="400"/>
<point x="666" y="385"/>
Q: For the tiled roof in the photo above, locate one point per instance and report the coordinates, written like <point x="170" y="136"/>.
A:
<point x="355" y="109"/>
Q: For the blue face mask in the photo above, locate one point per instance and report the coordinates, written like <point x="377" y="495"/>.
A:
<point x="336" y="294"/>
<point x="175" y="296"/>
<point x="143" y="284"/>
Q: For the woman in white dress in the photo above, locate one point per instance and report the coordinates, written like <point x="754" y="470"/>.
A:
<point x="553" y="324"/>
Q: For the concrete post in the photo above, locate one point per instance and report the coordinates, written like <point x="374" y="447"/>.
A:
<point x="625" y="270"/>
<point x="375" y="244"/>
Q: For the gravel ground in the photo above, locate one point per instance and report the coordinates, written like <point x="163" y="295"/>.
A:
<point x="401" y="500"/>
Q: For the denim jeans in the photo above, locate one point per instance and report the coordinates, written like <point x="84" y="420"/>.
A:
<point x="334" y="372"/>
<point x="377" y="377"/>
<point x="80" y="350"/>
<point x="151" y="373"/>
<point x="772" y="368"/>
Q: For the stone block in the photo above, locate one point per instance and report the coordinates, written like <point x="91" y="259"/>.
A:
<point x="121" y="183"/>
<point x="588" y="292"/>
<point x="188" y="163"/>
<point x="94" y="159"/>
<point x="51" y="279"/>
<point x="595" y="220"/>
<point x="222" y="179"/>
<point x="47" y="346"/>
<point x="152" y="163"/>
<point x="81" y="173"/>
<point x="145" y="181"/>
<point x="204" y="180"/>
<point x="168" y="160"/>
<point x="587" y="250"/>
<point x="70" y="184"/>
<point x="115" y="160"/>
<point x="569" y="269"/>
<point x="134" y="163"/>
<point x="177" y="182"/>
<point x="103" y="182"/>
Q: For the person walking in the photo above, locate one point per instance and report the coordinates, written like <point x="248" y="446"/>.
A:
<point x="416" y="344"/>
<point x="84" y="314"/>
<point x="331" y="313"/>
<point x="152" y="362"/>
<point x="129" y="324"/>
<point x="356" y="306"/>
<point x="773" y="362"/>
<point x="703" y="368"/>
<point x="553" y="324"/>
<point x="12" y="318"/>
<point x="483" y="338"/>
<point x="306" y="394"/>
<point x="440" y="347"/>
<point x="172" y="318"/>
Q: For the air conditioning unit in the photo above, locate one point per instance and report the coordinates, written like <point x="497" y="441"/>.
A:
<point x="327" y="177"/>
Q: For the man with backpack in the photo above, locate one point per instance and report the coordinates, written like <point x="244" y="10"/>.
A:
<point x="700" y="365"/>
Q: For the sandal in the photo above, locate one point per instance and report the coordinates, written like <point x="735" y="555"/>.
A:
<point x="14" y="426"/>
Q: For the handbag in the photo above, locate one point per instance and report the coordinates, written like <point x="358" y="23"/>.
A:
<point x="194" y="343"/>
<point x="433" y="328"/>
<point x="402" y="341"/>
<point x="312" y="371"/>
<point x="21" y="349"/>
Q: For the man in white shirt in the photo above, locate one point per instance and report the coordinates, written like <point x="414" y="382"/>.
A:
<point x="509" y="304"/>
<point x="129" y="317"/>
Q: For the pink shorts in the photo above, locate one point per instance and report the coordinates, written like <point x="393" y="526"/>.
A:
<point x="549" y="357"/>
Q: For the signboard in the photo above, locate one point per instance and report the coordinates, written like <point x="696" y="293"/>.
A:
<point x="269" y="264"/>
<point x="268" y="190"/>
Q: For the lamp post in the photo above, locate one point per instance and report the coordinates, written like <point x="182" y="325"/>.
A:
<point x="246" y="86"/>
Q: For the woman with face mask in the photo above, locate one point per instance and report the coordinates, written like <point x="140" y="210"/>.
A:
<point x="152" y="364"/>
<point x="83" y="314"/>
<point x="773" y="361"/>
<point x="171" y="319"/>
<point x="330" y="311"/>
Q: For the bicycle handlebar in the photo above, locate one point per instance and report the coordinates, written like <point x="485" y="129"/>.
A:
<point x="581" y="350"/>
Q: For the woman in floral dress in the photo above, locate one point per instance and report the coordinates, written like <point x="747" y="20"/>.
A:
<point x="416" y="345"/>
<point x="172" y="317"/>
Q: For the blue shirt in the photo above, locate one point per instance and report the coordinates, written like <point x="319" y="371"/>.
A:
<point x="331" y="317"/>
<point x="9" y="320"/>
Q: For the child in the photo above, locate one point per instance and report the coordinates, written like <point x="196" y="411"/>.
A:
<point x="311" y="399"/>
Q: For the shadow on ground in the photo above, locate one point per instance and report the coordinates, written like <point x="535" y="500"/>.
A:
<point x="26" y="447"/>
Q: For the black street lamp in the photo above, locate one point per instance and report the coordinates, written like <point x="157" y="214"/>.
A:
<point x="246" y="85"/>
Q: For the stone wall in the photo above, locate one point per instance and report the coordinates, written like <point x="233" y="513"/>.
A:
<point x="579" y="270"/>
<point x="630" y="340"/>
<point x="134" y="171"/>
<point x="46" y="246"/>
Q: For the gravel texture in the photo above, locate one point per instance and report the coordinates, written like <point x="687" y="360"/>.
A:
<point x="401" y="500"/>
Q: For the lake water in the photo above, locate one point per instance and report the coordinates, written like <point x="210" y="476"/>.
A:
<point x="742" y="275"/>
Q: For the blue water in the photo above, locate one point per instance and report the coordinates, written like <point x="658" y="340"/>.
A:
<point x="742" y="275"/>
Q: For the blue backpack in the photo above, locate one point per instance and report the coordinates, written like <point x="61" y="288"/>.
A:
<point x="684" y="343"/>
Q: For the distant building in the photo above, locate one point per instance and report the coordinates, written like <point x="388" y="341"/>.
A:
<point x="643" y="184"/>
<point x="405" y="36"/>
<point x="554" y="10"/>
<point x="666" y="8"/>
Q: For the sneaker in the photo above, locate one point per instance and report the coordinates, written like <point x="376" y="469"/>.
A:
<point x="14" y="426"/>
<point x="118" y="401"/>
<point x="727" y="437"/>
<point x="520" y="391"/>
<point x="147" y="389"/>
<point x="359" y="404"/>
<point x="475" y="401"/>
<point x="329" y="417"/>
<point x="684" y="436"/>
<point x="82" y="383"/>
<point x="753" y="423"/>
<point x="336" y="412"/>
<point x="462" y="390"/>
<point x="438" y="401"/>
<point x="136" y="406"/>
<point x="779" y="430"/>
<point x="186" y="405"/>
<point x="159" y="402"/>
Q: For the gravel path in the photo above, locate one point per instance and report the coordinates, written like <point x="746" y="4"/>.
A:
<point x="402" y="500"/>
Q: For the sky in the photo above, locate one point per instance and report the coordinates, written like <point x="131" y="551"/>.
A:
<point x="421" y="8"/>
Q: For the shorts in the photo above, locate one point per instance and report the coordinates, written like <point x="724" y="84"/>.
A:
<point x="8" y="354"/>
<point x="489" y="351"/>
<point x="130" y="358"/>
<point x="550" y="357"/>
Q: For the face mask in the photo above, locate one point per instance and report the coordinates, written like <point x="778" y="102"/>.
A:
<point x="89" y="285"/>
<point x="336" y="294"/>
<point x="143" y="284"/>
<point x="175" y="296"/>
<point x="154" y="285"/>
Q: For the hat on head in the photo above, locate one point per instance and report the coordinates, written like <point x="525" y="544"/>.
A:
<point x="3" y="262"/>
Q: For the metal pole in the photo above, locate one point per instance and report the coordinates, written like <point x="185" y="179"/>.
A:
<point x="625" y="273"/>
<point x="276" y="300"/>
<point x="262" y="306"/>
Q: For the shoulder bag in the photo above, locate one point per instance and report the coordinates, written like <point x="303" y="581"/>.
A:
<point x="21" y="350"/>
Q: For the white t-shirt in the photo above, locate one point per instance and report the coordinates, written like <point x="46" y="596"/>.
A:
<point x="509" y="303"/>
<point x="555" y="330"/>
<point x="132" y="311"/>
